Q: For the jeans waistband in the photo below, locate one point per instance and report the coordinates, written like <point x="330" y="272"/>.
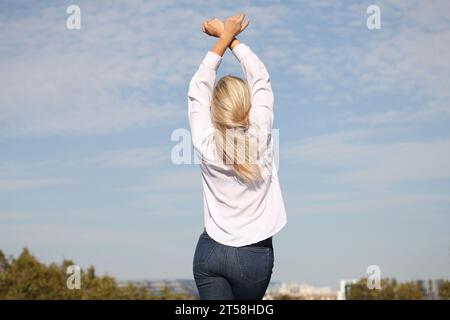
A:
<point x="263" y="243"/>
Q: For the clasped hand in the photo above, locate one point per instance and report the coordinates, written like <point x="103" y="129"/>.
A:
<point x="231" y="28"/>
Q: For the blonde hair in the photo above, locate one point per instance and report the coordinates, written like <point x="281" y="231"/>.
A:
<point x="230" y="109"/>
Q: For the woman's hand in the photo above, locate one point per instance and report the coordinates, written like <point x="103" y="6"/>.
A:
<point x="214" y="27"/>
<point x="226" y="33"/>
<point x="234" y="26"/>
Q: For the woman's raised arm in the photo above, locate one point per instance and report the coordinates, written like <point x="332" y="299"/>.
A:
<point x="258" y="79"/>
<point x="202" y="83"/>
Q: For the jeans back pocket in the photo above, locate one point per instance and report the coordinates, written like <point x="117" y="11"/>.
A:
<point x="255" y="263"/>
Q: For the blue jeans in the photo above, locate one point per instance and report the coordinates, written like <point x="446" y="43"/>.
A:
<point x="223" y="272"/>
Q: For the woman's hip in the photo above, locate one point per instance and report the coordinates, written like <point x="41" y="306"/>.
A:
<point x="251" y="263"/>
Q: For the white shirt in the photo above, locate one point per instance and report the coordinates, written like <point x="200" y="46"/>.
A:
<point x="235" y="213"/>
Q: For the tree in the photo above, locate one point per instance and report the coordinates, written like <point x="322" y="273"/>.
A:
<point x="284" y="296"/>
<point x="4" y="263"/>
<point x="409" y="291"/>
<point x="390" y="290"/>
<point x="444" y="290"/>
<point x="27" y="278"/>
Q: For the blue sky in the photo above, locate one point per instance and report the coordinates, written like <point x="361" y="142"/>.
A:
<point x="363" y="116"/>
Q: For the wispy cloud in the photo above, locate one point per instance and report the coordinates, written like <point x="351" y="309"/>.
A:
<point x="405" y="60"/>
<point x="13" y="216"/>
<point x="114" y="74"/>
<point x="178" y="180"/>
<point x="363" y="203"/>
<point x="108" y="76"/>
<point x="362" y="161"/>
<point x="24" y="184"/>
<point x="129" y="158"/>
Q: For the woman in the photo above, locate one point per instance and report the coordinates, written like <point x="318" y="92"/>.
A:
<point x="231" y="123"/>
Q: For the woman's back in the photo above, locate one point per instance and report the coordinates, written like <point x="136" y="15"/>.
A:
<point x="237" y="212"/>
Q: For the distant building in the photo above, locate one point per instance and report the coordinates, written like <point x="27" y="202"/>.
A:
<point x="344" y="288"/>
<point x="137" y="283"/>
<point x="300" y="291"/>
<point x="430" y="288"/>
<point x="177" y="286"/>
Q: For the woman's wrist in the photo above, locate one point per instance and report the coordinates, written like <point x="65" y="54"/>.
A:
<point x="227" y="37"/>
<point x="222" y="43"/>
<point x="234" y="43"/>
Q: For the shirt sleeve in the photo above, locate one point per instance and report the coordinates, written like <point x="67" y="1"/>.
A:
<point x="199" y="102"/>
<point x="258" y="79"/>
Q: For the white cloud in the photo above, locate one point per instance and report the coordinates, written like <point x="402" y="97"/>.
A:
<point x="137" y="157"/>
<point x="366" y="163"/>
<point x="178" y="180"/>
<point x="13" y="216"/>
<point x="24" y="184"/>
<point x="406" y="60"/>
<point x="169" y="182"/>
<point x="115" y="73"/>
<point x="126" y="67"/>
<point x="394" y="117"/>
<point x="363" y="202"/>
<point x="129" y="158"/>
<point x="403" y="162"/>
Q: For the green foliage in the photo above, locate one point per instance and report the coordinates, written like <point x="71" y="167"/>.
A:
<point x="390" y="290"/>
<point x="444" y="290"/>
<point x="284" y="296"/>
<point x="25" y="277"/>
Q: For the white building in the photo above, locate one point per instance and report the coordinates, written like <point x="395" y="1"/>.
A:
<point x="301" y="291"/>
<point x="344" y="288"/>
